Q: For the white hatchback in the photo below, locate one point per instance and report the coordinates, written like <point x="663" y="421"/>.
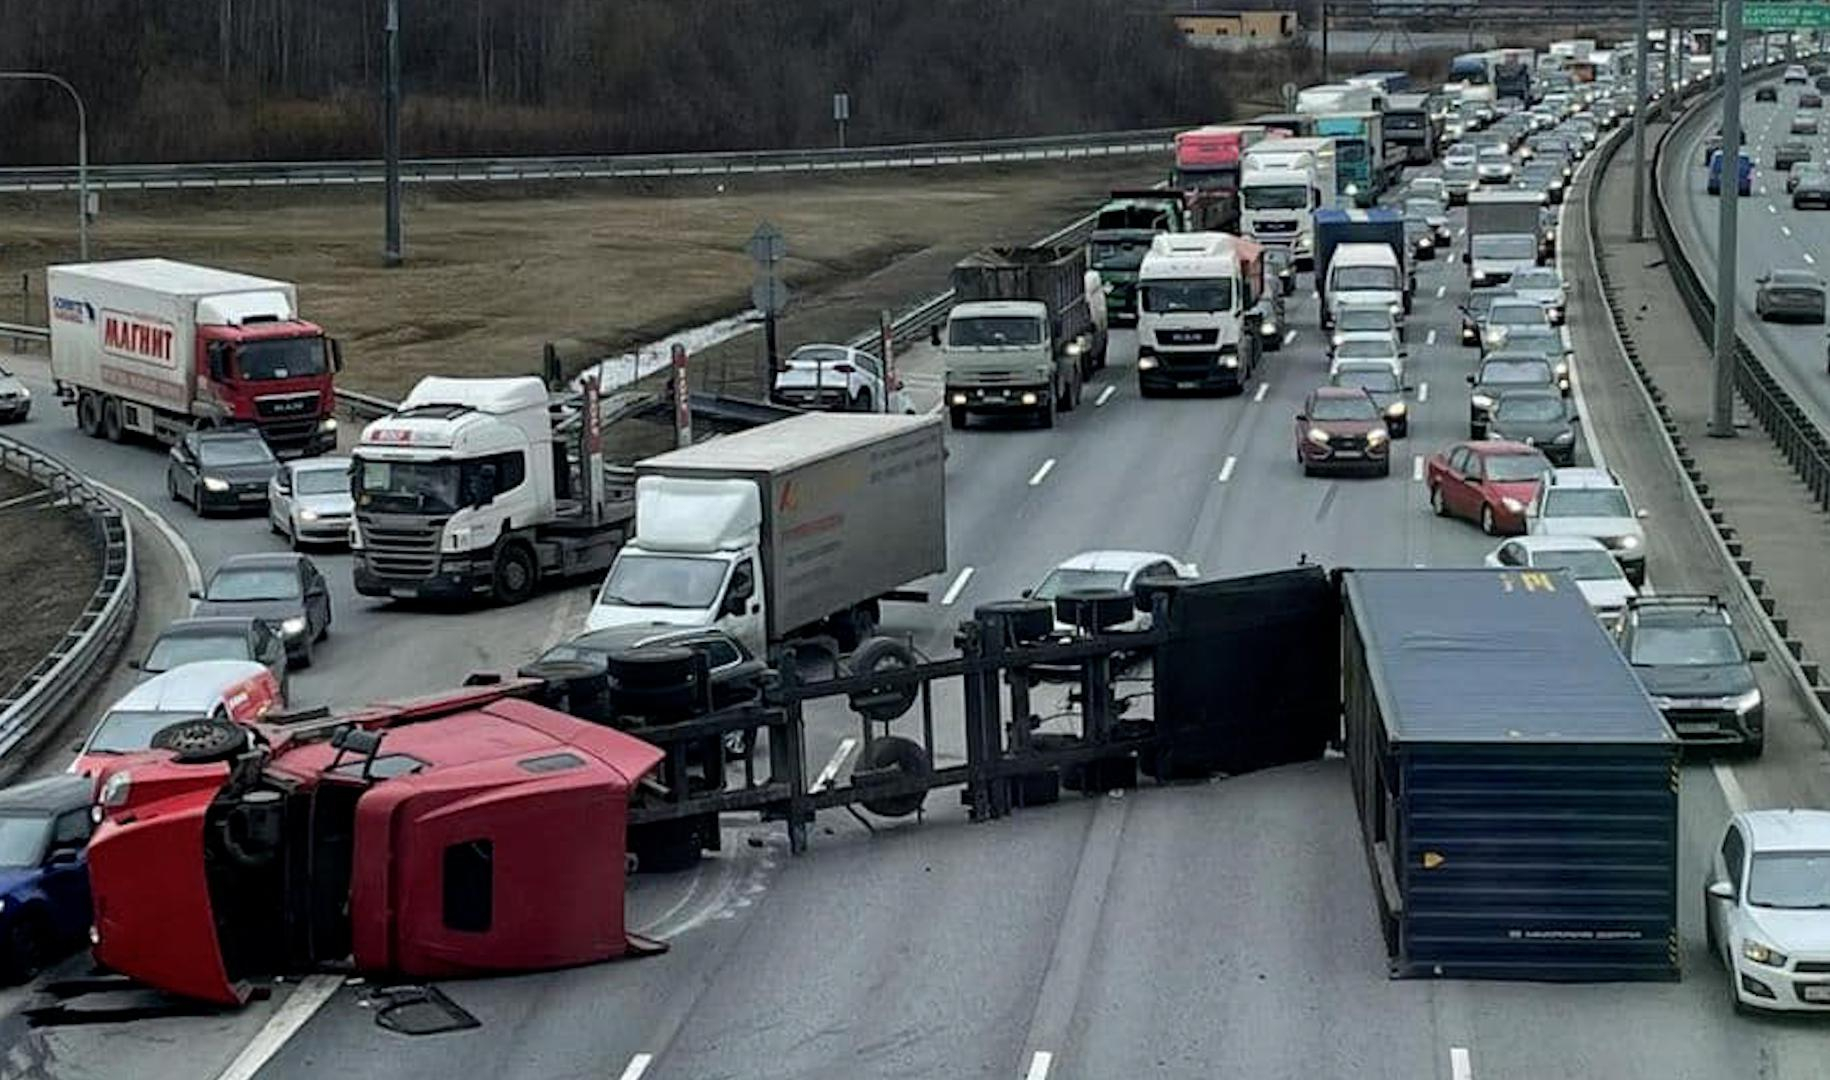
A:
<point x="1766" y="910"/>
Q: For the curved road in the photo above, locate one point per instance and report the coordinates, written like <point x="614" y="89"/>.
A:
<point x="1219" y="929"/>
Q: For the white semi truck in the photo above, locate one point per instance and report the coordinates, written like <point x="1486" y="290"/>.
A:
<point x="156" y="348"/>
<point x="1283" y="184"/>
<point x="482" y="489"/>
<point x="796" y="528"/>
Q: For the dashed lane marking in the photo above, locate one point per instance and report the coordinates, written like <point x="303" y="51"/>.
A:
<point x="1041" y="473"/>
<point x="1226" y="468"/>
<point x="958" y="586"/>
<point x="1105" y="396"/>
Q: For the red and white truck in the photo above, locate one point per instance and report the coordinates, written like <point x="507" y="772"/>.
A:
<point x="1209" y="164"/>
<point x="156" y="348"/>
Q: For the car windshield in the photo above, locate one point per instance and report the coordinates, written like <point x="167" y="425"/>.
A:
<point x="1538" y="340"/>
<point x="127" y="731"/>
<point x="1379" y="380"/>
<point x="1586" y="502"/>
<point x="1529" y="407"/>
<point x="176" y="649"/>
<point x="819" y="354"/>
<point x="1067" y="579"/>
<point x="663" y="581"/>
<point x="22" y="839"/>
<point x="1793" y="880"/>
<point x="1344" y="407"/>
<point x="1278" y="197"/>
<point x="1350" y="278"/>
<point x="1684" y="646"/>
<point x="254" y="583"/>
<point x="1512" y="468"/>
<point x="1364" y="349"/>
<point x="320" y="481"/>
<point x="1427" y="208"/>
<point x="1351" y="319"/>
<point x="1494" y="155"/>
<point x="1522" y="248"/>
<point x="1538" y="280"/>
<point x="1521" y="372"/>
<point x="1582" y="565"/>
<point x="223" y="452"/>
<point x="976" y="331"/>
<point x="1167" y="297"/>
<point x="1119" y="254"/>
<point x="1517" y="315"/>
<point x="281" y="358"/>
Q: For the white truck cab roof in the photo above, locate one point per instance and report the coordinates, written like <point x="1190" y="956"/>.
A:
<point x="1364" y="255"/>
<point x="458" y="416"/>
<point x="1189" y="255"/>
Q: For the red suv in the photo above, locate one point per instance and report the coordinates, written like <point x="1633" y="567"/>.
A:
<point x="1341" y="427"/>
<point x="1491" y="482"/>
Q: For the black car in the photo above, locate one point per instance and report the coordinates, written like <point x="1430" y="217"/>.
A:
<point x="1686" y="653"/>
<point x="1812" y="192"/>
<point x="1498" y="373"/>
<point x="1790" y="153"/>
<point x="1382" y="384"/>
<point x="1822" y="82"/>
<point x="1535" y="417"/>
<point x="219" y="637"/>
<point x="1766" y="93"/>
<point x="221" y="470"/>
<point x="1421" y="235"/>
<point x="285" y="591"/>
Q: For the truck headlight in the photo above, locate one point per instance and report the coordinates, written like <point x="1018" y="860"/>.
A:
<point x="1481" y="401"/>
<point x="294" y="626"/>
<point x="116" y="790"/>
<point x="1761" y="953"/>
<point x="1543" y="198"/>
<point x="1229" y="362"/>
<point x="1353" y="189"/>
<point x="210" y="483"/>
<point x="1269" y="328"/>
<point x="1146" y="363"/>
<point x="328" y="424"/>
<point x="958" y="398"/>
<point x="457" y="539"/>
<point x="1563" y="369"/>
<point x="1479" y="276"/>
<point x="1395" y="410"/>
<point x="1338" y="338"/>
<point x="1318" y="436"/>
<point x="1746" y="703"/>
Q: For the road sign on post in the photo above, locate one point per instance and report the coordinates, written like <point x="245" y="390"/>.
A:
<point x="683" y="402"/>
<point x="1767" y="15"/>
<point x="841" y="112"/>
<point x="767" y="247"/>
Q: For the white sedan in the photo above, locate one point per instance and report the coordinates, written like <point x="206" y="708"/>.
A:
<point x="1766" y="910"/>
<point x="1598" y="575"/>
<point x="1121" y="570"/>
<point x="837" y="378"/>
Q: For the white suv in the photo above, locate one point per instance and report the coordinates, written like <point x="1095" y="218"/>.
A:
<point x="1592" y="503"/>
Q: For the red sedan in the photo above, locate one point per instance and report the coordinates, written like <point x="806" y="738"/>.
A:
<point x="1341" y="427"/>
<point x="1491" y="482"/>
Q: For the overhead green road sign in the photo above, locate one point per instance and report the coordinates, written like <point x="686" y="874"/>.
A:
<point x="1765" y="15"/>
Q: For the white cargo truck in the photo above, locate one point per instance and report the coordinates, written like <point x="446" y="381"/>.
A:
<point x="157" y="348"/>
<point x="482" y="488"/>
<point x="1284" y="182"/>
<point x="792" y="529"/>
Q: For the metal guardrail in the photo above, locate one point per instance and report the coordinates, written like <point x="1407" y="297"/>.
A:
<point x="250" y="174"/>
<point x="64" y="676"/>
<point x="24" y="332"/>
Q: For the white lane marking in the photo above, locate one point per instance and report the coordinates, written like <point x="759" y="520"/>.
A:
<point x="1417" y="468"/>
<point x="1441" y="291"/>
<point x="307" y="998"/>
<point x="1289" y="336"/>
<point x="1785" y="230"/>
<point x="1105" y="396"/>
<point x="958" y="586"/>
<point x="1430" y="338"/>
<point x="1263" y="389"/>
<point x="1731" y="788"/>
<point x="839" y="758"/>
<point x="1042" y="472"/>
<point x="1809" y="258"/>
<point x="1770" y="209"/>
<point x="193" y="575"/>
<point x="1039" y="1065"/>
<point x="637" y="1066"/>
<point x="1460" y="1067"/>
<point x="1423" y="392"/>
<point x="1461" y="232"/>
<point x="1226" y="468"/>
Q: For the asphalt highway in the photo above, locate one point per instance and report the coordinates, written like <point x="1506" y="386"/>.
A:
<point x="1223" y="929"/>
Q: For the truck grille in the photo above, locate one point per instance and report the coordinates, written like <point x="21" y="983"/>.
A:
<point x="400" y="550"/>
<point x="282" y="406"/>
<point x="1187" y="337"/>
<point x="1275" y="226"/>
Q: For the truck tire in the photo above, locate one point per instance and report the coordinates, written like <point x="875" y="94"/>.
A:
<point x="1025" y="620"/>
<point x="956" y="418"/>
<point x="655" y="682"/>
<point x="666" y="847"/>
<point x="875" y="657"/>
<point x="89" y="414"/>
<point x="113" y="428"/>
<point x="893" y="757"/>
<point x="1071" y="400"/>
<point x="1045" y="412"/>
<point x="515" y="574"/>
<point x="1094" y="610"/>
<point x="202" y="741"/>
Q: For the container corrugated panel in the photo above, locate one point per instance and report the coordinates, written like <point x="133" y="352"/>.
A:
<point x="1516" y="788"/>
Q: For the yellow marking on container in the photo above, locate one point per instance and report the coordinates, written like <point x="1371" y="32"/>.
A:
<point x="1432" y="859"/>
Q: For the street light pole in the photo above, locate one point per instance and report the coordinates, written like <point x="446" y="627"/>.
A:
<point x="82" y="151"/>
<point x="390" y="254"/>
<point x="1722" y="405"/>
<point x="1639" y="126"/>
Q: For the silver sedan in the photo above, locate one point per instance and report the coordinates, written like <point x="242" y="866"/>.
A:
<point x="1790" y="296"/>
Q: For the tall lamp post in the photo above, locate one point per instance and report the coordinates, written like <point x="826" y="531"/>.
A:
<point x="82" y="150"/>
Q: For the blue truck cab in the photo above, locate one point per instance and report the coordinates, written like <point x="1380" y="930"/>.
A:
<point x="1745" y="183"/>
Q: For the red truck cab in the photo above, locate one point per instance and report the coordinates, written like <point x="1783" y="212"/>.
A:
<point x="466" y="833"/>
<point x="1207" y="170"/>
<point x="276" y="375"/>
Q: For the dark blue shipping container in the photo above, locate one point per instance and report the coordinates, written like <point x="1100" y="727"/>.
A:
<point x="1517" y="790"/>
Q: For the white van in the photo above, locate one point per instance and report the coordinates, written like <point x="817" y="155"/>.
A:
<point x="241" y="691"/>
<point x="1366" y="274"/>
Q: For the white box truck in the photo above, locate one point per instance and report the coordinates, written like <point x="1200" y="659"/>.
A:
<point x="1283" y="184"/>
<point x="796" y="528"/>
<point x="156" y="348"/>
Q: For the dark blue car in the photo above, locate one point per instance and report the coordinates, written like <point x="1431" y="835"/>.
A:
<point x="44" y="871"/>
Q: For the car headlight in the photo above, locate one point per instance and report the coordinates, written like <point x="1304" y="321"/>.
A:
<point x="1338" y="338"/>
<point x="25" y="394"/>
<point x="308" y="515"/>
<point x="1512" y="505"/>
<point x="1377" y="436"/>
<point x="1229" y="361"/>
<point x="1318" y="436"/>
<point x="210" y="483"/>
<point x="1761" y="953"/>
<point x="1395" y="409"/>
<point x="1563" y="369"/>
<point x="1480" y="275"/>
<point x="1543" y="198"/>
<point x="1396" y="309"/>
<point x="328" y="424"/>
<point x="1564" y="438"/>
<point x="1746" y="703"/>
<point x="1627" y="543"/>
<point x="960" y="399"/>
<point x="1481" y="401"/>
<point x="1146" y="363"/>
<point x="1353" y="189"/>
<point x="294" y="626"/>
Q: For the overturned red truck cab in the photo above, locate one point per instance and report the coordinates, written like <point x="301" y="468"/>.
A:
<point x="471" y="832"/>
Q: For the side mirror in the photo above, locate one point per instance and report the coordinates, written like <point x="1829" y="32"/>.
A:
<point x="1643" y="514"/>
<point x="934" y="335"/>
<point x="736" y="604"/>
<point x="1756" y="656"/>
<point x="65" y="856"/>
<point x="196" y="594"/>
<point x="1721" y="890"/>
<point x="1302" y="417"/>
<point x="1575" y="418"/>
<point x="218" y="354"/>
<point x="1470" y="380"/>
<point x="336" y="355"/>
<point x="133" y="665"/>
<point x="1027" y="593"/>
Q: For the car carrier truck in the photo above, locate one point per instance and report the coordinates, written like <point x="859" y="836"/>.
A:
<point x="157" y="348"/>
<point x="482" y="489"/>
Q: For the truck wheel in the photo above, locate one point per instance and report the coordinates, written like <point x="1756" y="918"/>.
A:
<point x="890" y="758"/>
<point x="515" y="574"/>
<point x="882" y="703"/>
<point x="202" y="741"/>
<point x="956" y="418"/>
<point x="1094" y="610"/>
<point x="89" y="414"/>
<point x="113" y="429"/>
<point x="852" y="627"/>
<point x="1071" y="400"/>
<point x="1027" y="620"/>
<point x="659" y="682"/>
<point x="1046" y="412"/>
